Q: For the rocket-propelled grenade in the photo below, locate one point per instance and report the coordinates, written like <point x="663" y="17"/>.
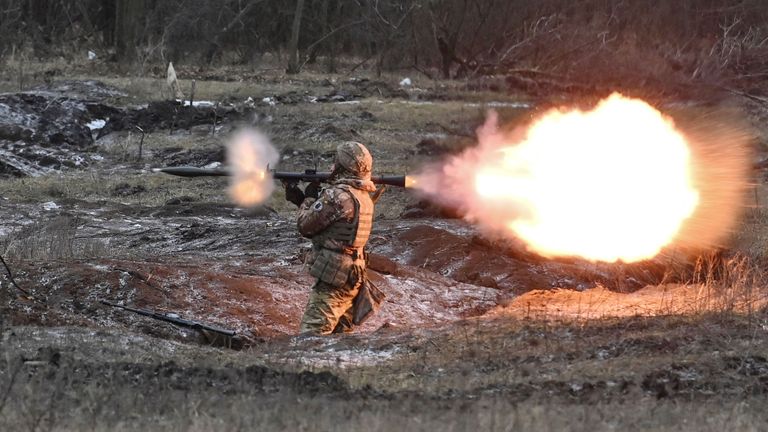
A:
<point x="308" y="176"/>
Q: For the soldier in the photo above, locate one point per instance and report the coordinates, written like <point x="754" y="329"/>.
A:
<point x="338" y="220"/>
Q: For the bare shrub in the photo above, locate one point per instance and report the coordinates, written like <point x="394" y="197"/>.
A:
<point x="729" y="284"/>
<point x="53" y="240"/>
<point x="642" y="43"/>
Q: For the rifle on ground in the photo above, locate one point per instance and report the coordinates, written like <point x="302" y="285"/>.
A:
<point x="173" y="319"/>
<point x="308" y="176"/>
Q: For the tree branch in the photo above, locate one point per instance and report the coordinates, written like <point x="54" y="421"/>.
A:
<point x="326" y="36"/>
<point x="13" y="281"/>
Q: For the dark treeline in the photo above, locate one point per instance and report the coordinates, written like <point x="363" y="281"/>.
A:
<point x="687" y="39"/>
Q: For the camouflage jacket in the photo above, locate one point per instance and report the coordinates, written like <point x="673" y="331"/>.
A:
<point x="339" y="224"/>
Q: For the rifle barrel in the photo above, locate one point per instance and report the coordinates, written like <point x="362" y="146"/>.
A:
<point x="172" y="319"/>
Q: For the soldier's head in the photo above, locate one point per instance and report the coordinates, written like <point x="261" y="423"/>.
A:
<point x="352" y="160"/>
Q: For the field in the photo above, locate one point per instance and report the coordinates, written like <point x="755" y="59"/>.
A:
<point x="476" y="333"/>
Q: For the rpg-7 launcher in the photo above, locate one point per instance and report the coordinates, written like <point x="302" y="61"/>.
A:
<point x="173" y="319"/>
<point x="308" y="176"/>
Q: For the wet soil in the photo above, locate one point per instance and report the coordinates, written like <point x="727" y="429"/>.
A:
<point x="474" y="330"/>
<point x="243" y="269"/>
<point x="644" y="373"/>
<point x="41" y="133"/>
<point x="441" y="349"/>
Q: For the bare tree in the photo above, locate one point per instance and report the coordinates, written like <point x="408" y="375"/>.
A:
<point x="293" y="46"/>
<point x="215" y="44"/>
<point x="129" y="18"/>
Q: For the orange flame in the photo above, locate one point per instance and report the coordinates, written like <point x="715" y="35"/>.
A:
<point x="616" y="183"/>
<point x="610" y="184"/>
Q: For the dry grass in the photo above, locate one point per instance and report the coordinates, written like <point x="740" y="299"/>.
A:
<point x="472" y="375"/>
<point x="734" y="283"/>
<point x="498" y="375"/>
<point x="751" y="236"/>
<point x="98" y="187"/>
<point x="154" y="89"/>
<point x="51" y="240"/>
<point x="291" y="412"/>
<point x="397" y="128"/>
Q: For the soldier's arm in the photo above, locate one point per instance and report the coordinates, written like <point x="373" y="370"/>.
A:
<point x="317" y="215"/>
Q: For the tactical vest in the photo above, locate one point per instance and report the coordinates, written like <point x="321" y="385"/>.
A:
<point x="333" y="266"/>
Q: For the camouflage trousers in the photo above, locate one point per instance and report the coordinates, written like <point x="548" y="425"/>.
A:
<point x="330" y="308"/>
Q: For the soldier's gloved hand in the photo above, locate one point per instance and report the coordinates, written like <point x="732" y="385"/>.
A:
<point x="312" y="190"/>
<point x="293" y="193"/>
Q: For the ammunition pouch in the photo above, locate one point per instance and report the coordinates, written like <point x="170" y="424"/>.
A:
<point x="367" y="301"/>
<point x="334" y="267"/>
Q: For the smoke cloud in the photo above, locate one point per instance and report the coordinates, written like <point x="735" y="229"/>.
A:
<point x="249" y="153"/>
<point x="451" y="183"/>
<point x="721" y="145"/>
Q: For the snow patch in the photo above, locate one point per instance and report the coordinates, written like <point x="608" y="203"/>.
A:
<point x="333" y="355"/>
<point x="96" y="124"/>
<point x="21" y="164"/>
<point x="500" y="104"/>
<point x="50" y="205"/>
<point x="198" y="104"/>
<point x="417" y="102"/>
<point x="491" y="104"/>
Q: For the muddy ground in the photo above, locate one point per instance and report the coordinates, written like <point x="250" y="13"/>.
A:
<point x="475" y="332"/>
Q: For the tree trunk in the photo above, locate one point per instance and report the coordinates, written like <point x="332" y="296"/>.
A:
<point x="315" y="49"/>
<point x="104" y="20"/>
<point x="333" y="43"/>
<point x="214" y="46"/>
<point x="40" y="27"/>
<point x="128" y="18"/>
<point x="293" y="46"/>
<point x="446" y="57"/>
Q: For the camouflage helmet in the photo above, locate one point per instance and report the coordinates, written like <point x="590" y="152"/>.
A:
<point x="354" y="158"/>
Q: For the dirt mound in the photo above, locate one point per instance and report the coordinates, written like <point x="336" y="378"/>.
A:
<point x="44" y="120"/>
<point x="205" y="261"/>
<point x="351" y="90"/>
<point x="243" y="269"/>
<point x="320" y="133"/>
<point x="176" y="156"/>
<point x="171" y="115"/>
<point x="40" y="133"/>
<point x="363" y="88"/>
<point x="88" y="90"/>
<point x="599" y="302"/>
<point x="422" y="208"/>
<point x="455" y="250"/>
<point x="125" y="189"/>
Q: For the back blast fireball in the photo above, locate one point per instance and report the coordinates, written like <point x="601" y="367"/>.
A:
<point x="620" y="182"/>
